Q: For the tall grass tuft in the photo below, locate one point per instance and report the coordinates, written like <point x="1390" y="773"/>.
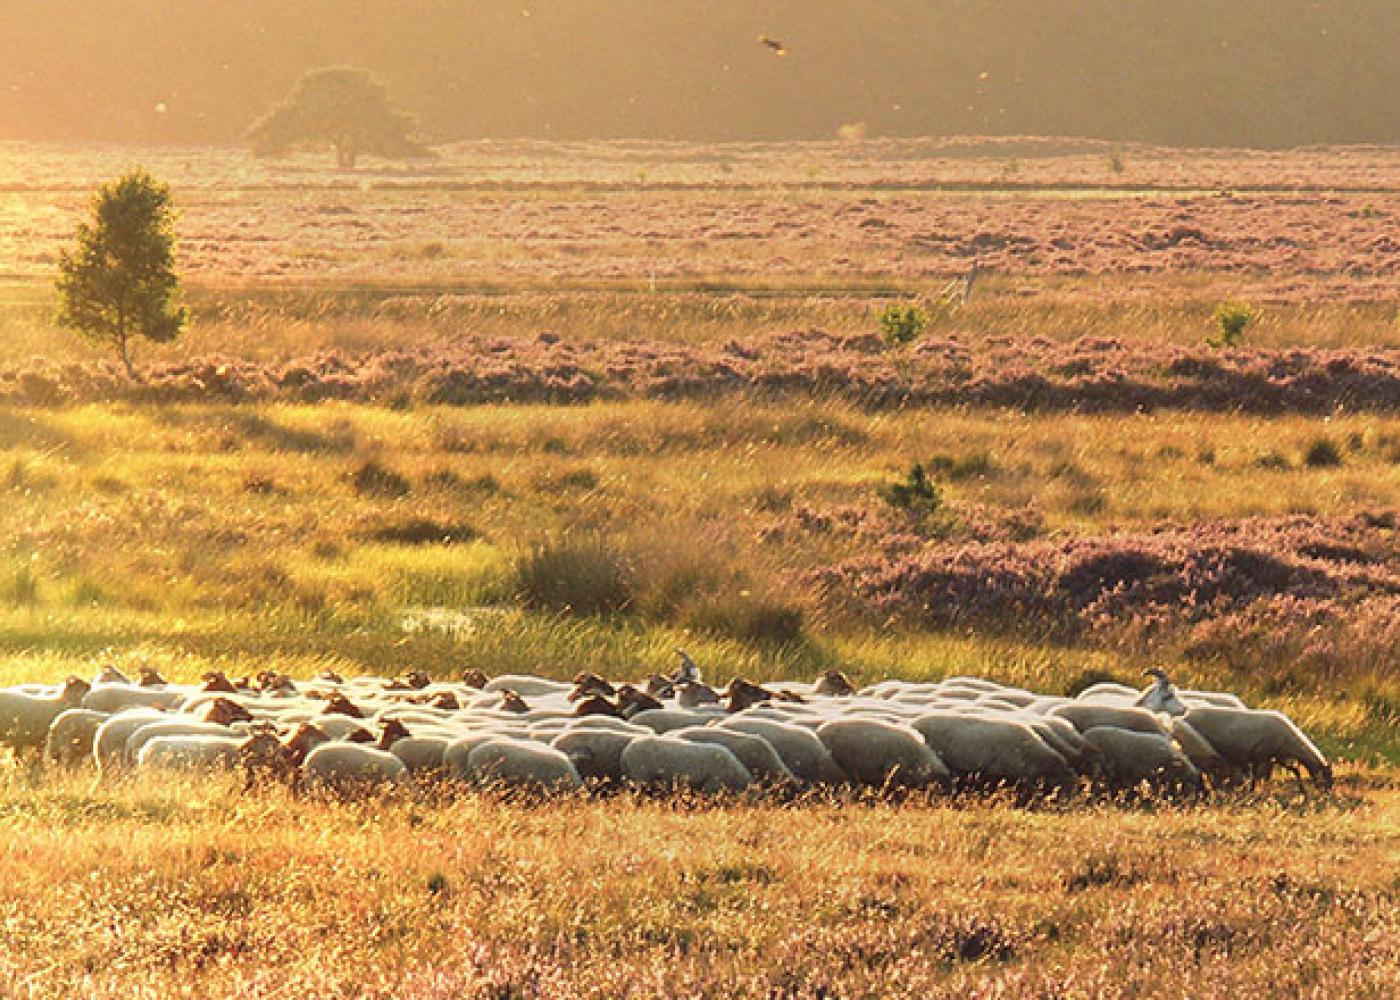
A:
<point x="580" y="575"/>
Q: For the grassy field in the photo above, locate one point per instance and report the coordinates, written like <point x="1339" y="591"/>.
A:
<point x="392" y="533"/>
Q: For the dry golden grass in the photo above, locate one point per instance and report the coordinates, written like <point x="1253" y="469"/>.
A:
<point x="150" y="890"/>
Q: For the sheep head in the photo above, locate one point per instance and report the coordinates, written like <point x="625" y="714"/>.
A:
<point x="222" y="712"/>
<point x="512" y="702"/>
<point x="261" y="752"/>
<point x="391" y="732"/>
<point x="215" y="681"/>
<point x="338" y="704"/>
<point x="445" y="700"/>
<point x="150" y="677"/>
<point x="111" y="675"/>
<point x="835" y="683"/>
<point x="302" y="741"/>
<point x="744" y="693"/>
<point x="589" y="684"/>
<point x="330" y="677"/>
<point x="660" y="687"/>
<point x="475" y="679"/>
<point x="631" y="700"/>
<point x="73" y="691"/>
<point x="597" y="705"/>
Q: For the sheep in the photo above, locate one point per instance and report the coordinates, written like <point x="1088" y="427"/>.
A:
<point x="743" y="693"/>
<point x="690" y="694"/>
<point x="71" y="734"/>
<point x="191" y="752"/>
<point x="754" y="752"/>
<point x="1161" y="696"/>
<point x="1255" y="740"/>
<point x="881" y="754"/>
<point x="522" y="764"/>
<point x="631" y="700"/>
<point x="1132" y="758"/>
<point x="1198" y="750"/>
<point x="663" y="720"/>
<point x="1087" y="716"/>
<point x="834" y="683"/>
<point x="109" y="744"/>
<point x="801" y="751"/>
<point x="669" y="762"/>
<point x="348" y="767"/>
<point x="171" y="725"/>
<point x="342" y="727"/>
<point x="983" y="750"/>
<point x="596" y="704"/>
<point x="420" y="754"/>
<point x="596" y="753"/>
<point x="527" y="687"/>
<point x="1111" y="690"/>
<point x="25" y="718"/>
<point x="112" y="698"/>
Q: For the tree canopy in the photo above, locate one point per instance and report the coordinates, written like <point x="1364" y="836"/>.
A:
<point x="342" y="107"/>
<point x="118" y="281"/>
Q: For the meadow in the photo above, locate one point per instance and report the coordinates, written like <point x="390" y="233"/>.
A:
<point x="654" y="369"/>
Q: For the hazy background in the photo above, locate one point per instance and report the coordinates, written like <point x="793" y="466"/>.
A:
<point x="1198" y="72"/>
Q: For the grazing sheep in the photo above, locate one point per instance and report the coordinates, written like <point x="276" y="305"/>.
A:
<point x="71" y="735"/>
<point x="170" y="725"/>
<point x="881" y="754"/>
<point x="25" y="718"/>
<point x="596" y="753"/>
<point x="587" y="685"/>
<point x="191" y="752"/>
<point x="1132" y="758"/>
<point x="669" y="762"/>
<point x="522" y="764"/>
<point x="754" y="752"/>
<point x="421" y="754"/>
<point x="663" y="720"/>
<point x="527" y="687"/>
<point x="1256" y="740"/>
<point x="992" y="751"/>
<point x="350" y="767"/>
<point x="343" y="727"/>
<point x="113" y="698"/>
<point x="1198" y="750"/>
<point x="802" y="752"/>
<point x="302" y="741"/>
<point x="1088" y="716"/>
<point x="109" y="745"/>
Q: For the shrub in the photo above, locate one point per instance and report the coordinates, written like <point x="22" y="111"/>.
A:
<point x="916" y="493"/>
<point x="582" y="576"/>
<point x="422" y="531"/>
<point x="372" y="479"/>
<point x="901" y="324"/>
<point x="1322" y="454"/>
<point x="1231" y="318"/>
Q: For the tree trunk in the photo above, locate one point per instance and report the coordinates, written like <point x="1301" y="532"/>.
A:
<point x="126" y="358"/>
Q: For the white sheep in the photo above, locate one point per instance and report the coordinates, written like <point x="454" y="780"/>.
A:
<point x="664" y="720"/>
<point x="190" y="752"/>
<point x="980" y="749"/>
<point x="350" y="767"/>
<point x="25" y="718"/>
<point x="670" y="762"/>
<point x="528" y="687"/>
<point x="1255" y="740"/>
<point x="1132" y="758"/>
<point x="754" y="752"/>
<point x="71" y="736"/>
<point x="113" y="698"/>
<point x="801" y="751"/>
<point x="596" y="753"/>
<point x="881" y="754"/>
<point x="174" y="725"/>
<point x="522" y="764"/>
<point x="109" y="745"/>
<point x="1086" y="716"/>
<point x="421" y="754"/>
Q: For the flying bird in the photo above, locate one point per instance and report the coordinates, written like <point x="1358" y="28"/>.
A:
<point x="779" y="49"/>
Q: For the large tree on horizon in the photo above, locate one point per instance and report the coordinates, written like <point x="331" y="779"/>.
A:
<point x="343" y="107"/>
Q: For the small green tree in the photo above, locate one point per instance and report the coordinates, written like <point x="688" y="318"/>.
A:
<point x="1231" y="318"/>
<point x="342" y="107"/>
<point x="900" y="324"/>
<point x="118" y="281"/>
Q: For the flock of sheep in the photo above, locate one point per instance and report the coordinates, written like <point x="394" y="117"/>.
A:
<point x="525" y="732"/>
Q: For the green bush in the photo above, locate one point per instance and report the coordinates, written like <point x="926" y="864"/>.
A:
<point x="915" y="493"/>
<point x="756" y="619"/>
<point x="570" y="575"/>
<point x="1231" y="319"/>
<point x="901" y="324"/>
